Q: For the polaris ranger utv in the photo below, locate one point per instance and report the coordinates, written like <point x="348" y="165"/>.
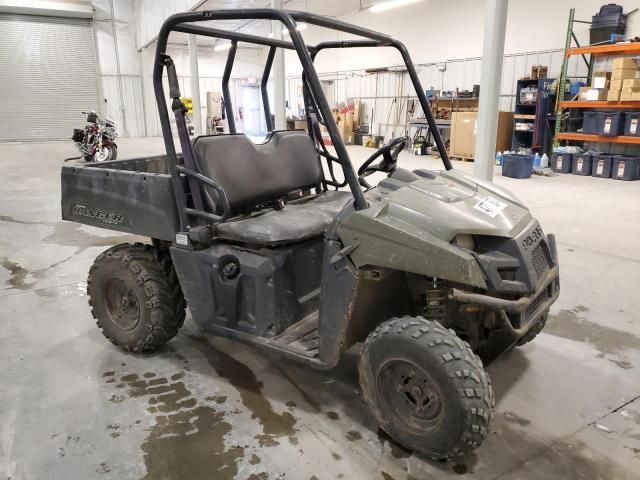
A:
<point x="267" y="245"/>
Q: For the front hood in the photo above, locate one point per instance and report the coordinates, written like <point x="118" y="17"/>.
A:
<point x="413" y="216"/>
<point x="451" y="203"/>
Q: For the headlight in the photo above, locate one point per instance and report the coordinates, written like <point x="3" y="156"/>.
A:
<point x="464" y="240"/>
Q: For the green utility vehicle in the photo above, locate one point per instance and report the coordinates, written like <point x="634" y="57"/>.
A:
<point x="284" y="246"/>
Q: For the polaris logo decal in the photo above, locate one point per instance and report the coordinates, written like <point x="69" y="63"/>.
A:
<point x="104" y="216"/>
<point x="490" y="206"/>
<point x="533" y="238"/>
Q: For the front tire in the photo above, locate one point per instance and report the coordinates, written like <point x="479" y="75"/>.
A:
<point x="426" y="388"/>
<point x="108" y="152"/>
<point x="135" y="296"/>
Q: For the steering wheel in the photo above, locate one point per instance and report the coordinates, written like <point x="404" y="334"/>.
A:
<point x="388" y="164"/>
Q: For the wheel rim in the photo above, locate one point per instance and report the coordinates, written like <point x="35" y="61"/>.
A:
<point x="122" y="304"/>
<point x="102" y="154"/>
<point x="409" y="394"/>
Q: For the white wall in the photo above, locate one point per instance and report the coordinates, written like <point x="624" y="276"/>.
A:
<point x="434" y="30"/>
<point x="149" y="15"/>
<point x="449" y="32"/>
<point x="249" y="63"/>
<point x="119" y="65"/>
<point x="127" y="87"/>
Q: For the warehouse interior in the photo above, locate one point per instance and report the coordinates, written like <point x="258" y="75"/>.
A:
<point x="533" y="116"/>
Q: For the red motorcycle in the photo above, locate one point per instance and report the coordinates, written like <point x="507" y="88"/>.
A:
<point x="96" y="141"/>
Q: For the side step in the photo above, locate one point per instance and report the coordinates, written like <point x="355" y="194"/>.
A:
<point x="302" y="336"/>
<point x="301" y="341"/>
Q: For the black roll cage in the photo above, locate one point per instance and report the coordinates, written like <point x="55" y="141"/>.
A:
<point x="314" y="99"/>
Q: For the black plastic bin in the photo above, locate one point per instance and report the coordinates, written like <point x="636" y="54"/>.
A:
<point x="626" y="168"/>
<point x="581" y="164"/>
<point x="601" y="165"/>
<point x="590" y="122"/>
<point x="516" y="165"/>
<point x="561" y="162"/>
<point x="608" y="20"/>
<point x="78" y="135"/>
<point x="632" y="124"/>
<point x="611" y="124"/>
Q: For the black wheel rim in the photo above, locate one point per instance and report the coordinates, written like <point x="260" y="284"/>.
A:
<point x="410" y="395"/>
<point x="122" y="304"/>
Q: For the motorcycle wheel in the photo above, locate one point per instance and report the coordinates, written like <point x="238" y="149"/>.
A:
<point x="108" y="152"/>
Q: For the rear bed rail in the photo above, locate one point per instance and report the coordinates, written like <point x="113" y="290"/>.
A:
<point x="133" y="196"/>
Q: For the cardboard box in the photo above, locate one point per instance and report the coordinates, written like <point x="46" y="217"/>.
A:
<point x="464" y="127"/>
<point x="345" y="127"/>
<point x="539" y="71"/>
<point x="626" y="62"/>
<point x="615" y="85"/>
<point x="633" y="83"/>
<point x="596" y="94"/>
<point x="613" y="95"/>
<point x="629" y="94"/>
<point x="633" y="96"/>
<point x="600" y="79"/>
<point x="582" y="93"/>
<point x="624" y="73"/>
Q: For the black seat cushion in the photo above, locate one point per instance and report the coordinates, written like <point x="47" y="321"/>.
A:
<point x="253" y="173"/>
<point x="306" y="218"/>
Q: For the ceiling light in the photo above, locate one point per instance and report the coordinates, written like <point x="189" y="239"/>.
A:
<point x="381" y="7"/>
<point x="222" y="46"/>
<point x="300" y="27"/>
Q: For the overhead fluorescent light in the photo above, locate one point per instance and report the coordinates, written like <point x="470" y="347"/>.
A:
<point x="384" y="6"/>
<point x="222" y="46"/>
<point x="300" y="27"/>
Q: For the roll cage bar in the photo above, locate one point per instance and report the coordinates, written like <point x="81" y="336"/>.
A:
<point x="316" y="106"/>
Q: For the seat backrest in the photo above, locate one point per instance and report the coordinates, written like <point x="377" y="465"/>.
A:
<point x="253" y="173"/>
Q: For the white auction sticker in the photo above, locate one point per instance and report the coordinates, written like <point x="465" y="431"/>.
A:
<point x="490" y="206"/>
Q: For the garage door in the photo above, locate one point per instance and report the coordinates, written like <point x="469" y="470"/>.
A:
<point x="48" y="76"/>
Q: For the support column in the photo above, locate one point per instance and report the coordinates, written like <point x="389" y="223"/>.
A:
<point x="495" y="24"/>
<point x="195" y="86"/>
<point x="278" y="75"/>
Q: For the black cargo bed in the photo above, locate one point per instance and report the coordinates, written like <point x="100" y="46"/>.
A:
<point x="133" y="196"/>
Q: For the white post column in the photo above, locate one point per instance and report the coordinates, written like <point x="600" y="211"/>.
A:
<point x="195" y="86"/>
<point x="495" y="24"/>
<point x="278" y="75"/>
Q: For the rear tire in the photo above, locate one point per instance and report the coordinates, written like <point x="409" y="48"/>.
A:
<point x="533" y="331"/>
<point x="135" y="296"/>
<point x="426" y="388"/>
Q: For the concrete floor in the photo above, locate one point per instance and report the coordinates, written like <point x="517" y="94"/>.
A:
<point x="74" y="406"/>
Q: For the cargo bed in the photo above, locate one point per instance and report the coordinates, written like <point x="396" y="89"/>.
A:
<point x="133" y="196"/>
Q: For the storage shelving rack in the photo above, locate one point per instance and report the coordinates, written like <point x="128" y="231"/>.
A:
<point x="537" y="137"/>
<point x="599" y="50"/>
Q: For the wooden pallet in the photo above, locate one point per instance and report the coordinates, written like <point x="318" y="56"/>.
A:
<point x="461" y="158"/>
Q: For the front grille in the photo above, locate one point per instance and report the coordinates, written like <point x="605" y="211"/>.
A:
<point x="535" y="304"/>
<point x="540" y="261"/>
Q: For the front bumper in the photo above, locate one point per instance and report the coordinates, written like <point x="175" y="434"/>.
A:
<point x="519" y="315"/>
